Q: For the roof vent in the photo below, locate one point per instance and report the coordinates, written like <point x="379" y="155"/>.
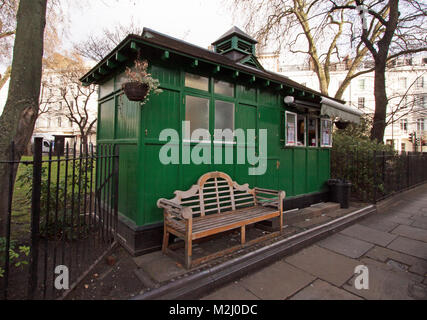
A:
<point x="238" y="46"/>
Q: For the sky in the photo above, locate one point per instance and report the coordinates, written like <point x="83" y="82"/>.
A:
<point x="197" y="21"/>
<point x="200" y="22"/>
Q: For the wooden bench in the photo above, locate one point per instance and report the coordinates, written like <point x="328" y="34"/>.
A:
<point x="216" y="204"/>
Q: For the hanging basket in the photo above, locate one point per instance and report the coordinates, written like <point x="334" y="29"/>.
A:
<point x="135" y="91"/>
<point x="341" y="125"/>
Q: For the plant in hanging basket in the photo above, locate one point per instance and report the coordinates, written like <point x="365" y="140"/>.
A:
<point x="140" y="83"/>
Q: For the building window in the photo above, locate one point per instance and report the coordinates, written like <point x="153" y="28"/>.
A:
<point x="421" y="100"/>
<point x="419" y="83"/>
<point x="361" y="102"/>
<point x="403" y="147"/>
<point x="326" y="132"/>
<point x="362" y="84"/>
<point x="196" y="82"/>
<point x="291" y="128"/>
<point x="197" y="113"/>
<point x="49" y="122"/>
<point x="420" y="125"/>
<point x="224" y="88"/>
<point x="301" y="134"/>
<point x="402" y="83"/>
<point x="59" y="122"/>
<point x="312" y="132"/>
<point x="404" y="125"/>
<point x="70" y="123"/>
<point x="224" y="115"/>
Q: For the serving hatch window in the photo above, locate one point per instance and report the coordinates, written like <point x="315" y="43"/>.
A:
<point x="326" y="133"/>
<point x="301" y="134"/>
<point x="313" y="132"/>
<point x="291" y="128"/>
<point x="196" y="82"/>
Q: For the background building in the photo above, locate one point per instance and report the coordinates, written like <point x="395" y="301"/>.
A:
<point x="406" y="89"/>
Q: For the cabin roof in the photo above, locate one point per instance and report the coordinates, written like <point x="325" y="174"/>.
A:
<point x="170" y="45"/>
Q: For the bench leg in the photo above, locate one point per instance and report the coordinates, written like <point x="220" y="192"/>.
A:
<point x="188" y="252"/>
<point x="243" y="235"/>
<point x="165" y="239"/>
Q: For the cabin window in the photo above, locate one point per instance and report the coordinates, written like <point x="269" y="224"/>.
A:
<point x="312" y="132"/>
<point x="197" y="113"/>
<point x="301" y="126"/>
<point x="326" y="132"/>
<point x="291" y="128"/>
<point x="224" y="116"/>
<point x="196" y="82"/>
<point x="224" y="88"/>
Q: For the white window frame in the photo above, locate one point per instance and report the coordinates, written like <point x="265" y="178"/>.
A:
<point x="321" y="133"/>
<point x="316" y="119"/>
<point x="295" y="129"/>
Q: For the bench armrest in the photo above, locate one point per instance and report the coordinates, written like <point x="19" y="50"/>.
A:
<point x="267" y="197"/>
<point x="177" y="210"/>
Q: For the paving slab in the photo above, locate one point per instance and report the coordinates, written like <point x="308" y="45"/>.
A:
<point x="393" y="266"/>
<point x="233" y="291"/>
<point x="321" y="290"/>
<point x="325" y="264"/>
<point x="418" y="224"/>
<point x="378" y="223"/>
<point x="277" y="282"/>
<point x="388" y="285"/>
<point x="420" y="218"/>
<point x="400" y="220"/>
<point x="159" y="266"/>
<point x="369" y="235"/>
<point x="350" y="247"/>
<point x="411" y="232"/>
<point x="409" y="246"/>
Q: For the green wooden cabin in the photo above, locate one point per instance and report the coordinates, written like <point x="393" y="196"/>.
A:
<point x="224" y="88"/>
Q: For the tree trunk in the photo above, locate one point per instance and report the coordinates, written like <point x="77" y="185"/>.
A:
<point x="381" y="102"/>
<point x="21" y="109"/>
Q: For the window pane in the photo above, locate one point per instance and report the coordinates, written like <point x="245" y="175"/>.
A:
<point x="196" y="82"/>
<point x="312" y="132"/>
<point x="224" y="88"/>
<point x="224" y="115"/>
<point x="197" y="112"/>
<point x="326" y="133"/>
<point x="290" y="129"/>
<point x="301" y="130"/>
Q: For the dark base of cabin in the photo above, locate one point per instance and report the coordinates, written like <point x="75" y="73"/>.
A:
<point x="142" y="240"/>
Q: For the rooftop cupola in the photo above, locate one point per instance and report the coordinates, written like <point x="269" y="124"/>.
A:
<point x="238" y="46"/>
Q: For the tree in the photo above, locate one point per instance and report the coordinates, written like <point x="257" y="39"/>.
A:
<point x="73" y="94"/>
<point x="403" y="28"/>
<point x="332" y="32"/>
<point x="21" y="109"/>
<point x="310" y="29"/>
<point x="97" y="47"/>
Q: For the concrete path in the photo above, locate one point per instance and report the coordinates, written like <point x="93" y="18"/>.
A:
<point x="392" y="245"/>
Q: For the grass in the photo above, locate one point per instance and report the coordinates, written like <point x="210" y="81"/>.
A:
<point x="21" y="204"/>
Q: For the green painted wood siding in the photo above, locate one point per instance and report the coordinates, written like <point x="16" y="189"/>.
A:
<point x="143" y="179"/>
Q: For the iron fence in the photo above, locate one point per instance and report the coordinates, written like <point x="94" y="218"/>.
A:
<point x="377" y="175"/>
<point x="62" y="218"/>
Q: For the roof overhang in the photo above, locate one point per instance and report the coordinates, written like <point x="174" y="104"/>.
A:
<point x="335" y="109"/>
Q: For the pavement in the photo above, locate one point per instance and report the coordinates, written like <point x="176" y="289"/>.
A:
<point x="392" y="245"/>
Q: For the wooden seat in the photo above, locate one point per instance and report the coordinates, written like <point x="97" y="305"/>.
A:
<point x="217" y="204"/>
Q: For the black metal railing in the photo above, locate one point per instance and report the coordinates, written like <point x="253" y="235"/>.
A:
<point x="376" y="175"/>
<point x="62" y="217"/>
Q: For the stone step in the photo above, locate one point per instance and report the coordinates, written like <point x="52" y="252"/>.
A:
<point x="314" y="211"/>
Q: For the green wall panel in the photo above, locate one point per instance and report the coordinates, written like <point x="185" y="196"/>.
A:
<point x="300" y="164"/>
<point x="106" y="120"/>
<point x="128" y="183"/>
<point x="127" y="118"/>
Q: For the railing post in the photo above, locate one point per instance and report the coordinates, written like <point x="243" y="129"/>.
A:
<point x="375" y="175"/>
<point x="35" y="217"/>
<point x="116" y="188"/>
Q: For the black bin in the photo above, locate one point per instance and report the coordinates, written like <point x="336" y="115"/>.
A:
<point x="340" y="192"/>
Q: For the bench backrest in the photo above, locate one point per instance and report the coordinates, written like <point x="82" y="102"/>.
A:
<point x="216" y="192"/>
